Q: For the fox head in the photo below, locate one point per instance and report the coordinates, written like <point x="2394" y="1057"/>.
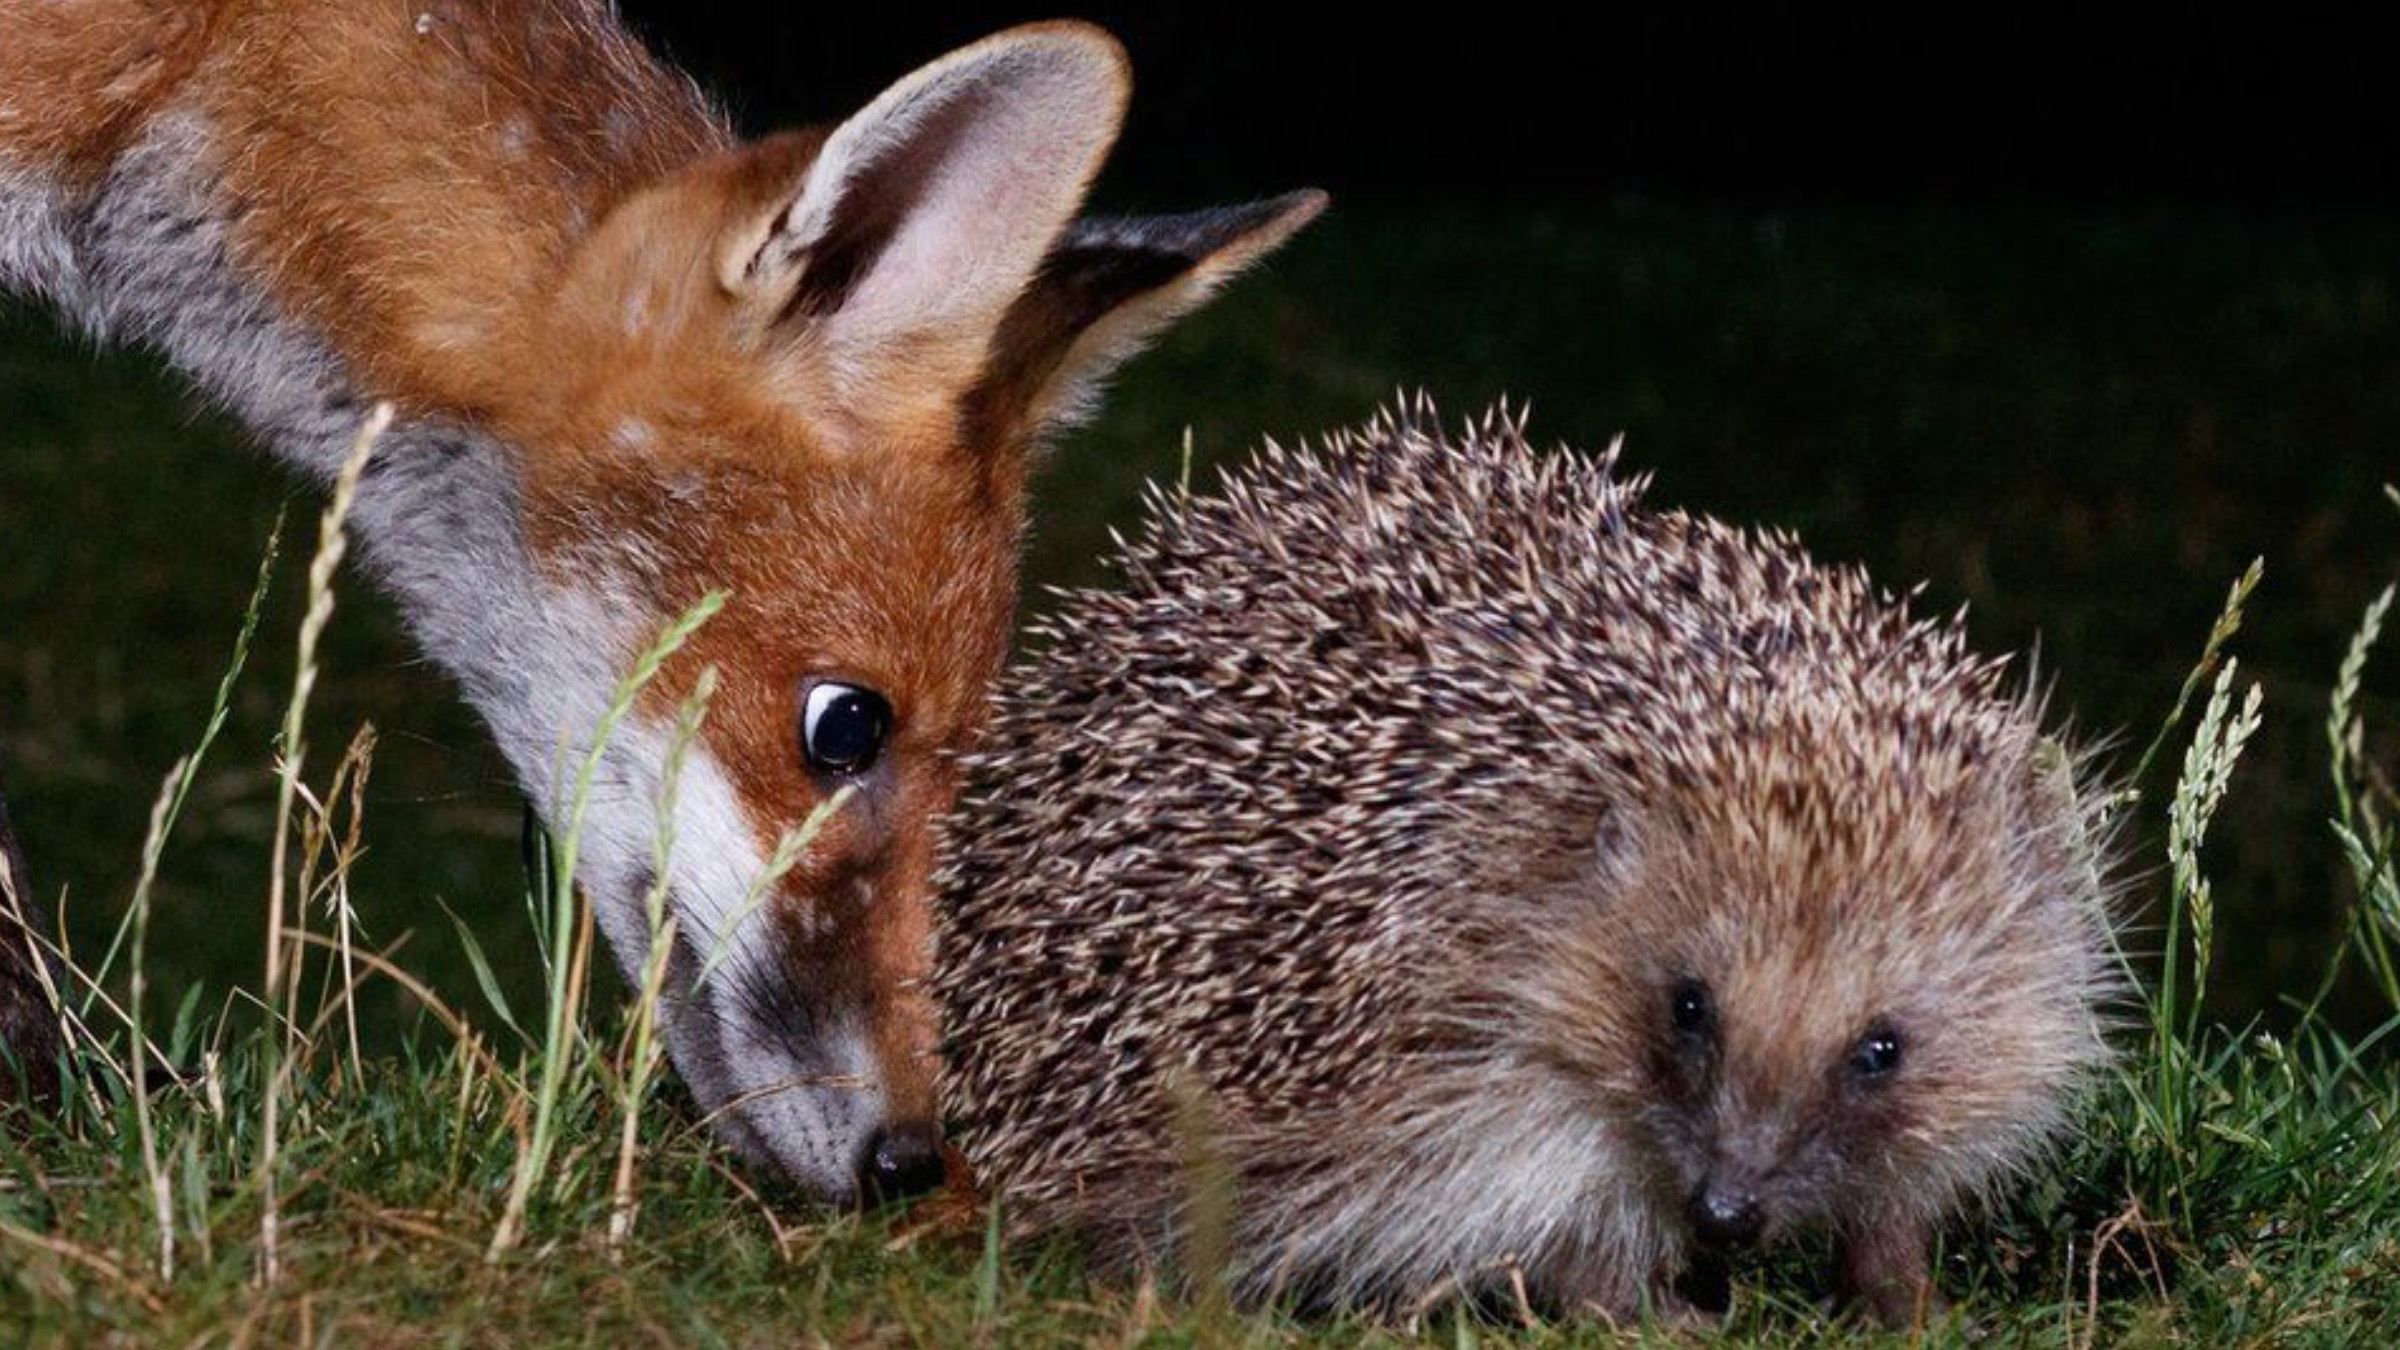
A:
<point x="636" y="361"/>
<point x="810" y="372"/>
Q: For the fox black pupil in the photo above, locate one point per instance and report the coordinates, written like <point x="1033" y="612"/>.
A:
<point x="843" y="728"/>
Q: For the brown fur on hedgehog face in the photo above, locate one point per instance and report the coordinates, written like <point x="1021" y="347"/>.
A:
<point x="1830" y="978"/>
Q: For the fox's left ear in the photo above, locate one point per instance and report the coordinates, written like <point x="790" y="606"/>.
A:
<point x="1107" y="288"/>
<point x="893" y="253"/>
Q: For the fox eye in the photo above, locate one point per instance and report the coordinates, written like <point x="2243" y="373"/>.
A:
<point x="843" y="727"/>
<point x="1877" y="1053"/>
<point x="1688" y="1006"/>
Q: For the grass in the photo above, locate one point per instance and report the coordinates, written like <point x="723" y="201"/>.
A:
<point x="455" y="1180"/>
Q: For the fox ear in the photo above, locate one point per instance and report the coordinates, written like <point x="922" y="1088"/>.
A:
<point x="1108" y="288"/>
<point x="925" y="216"/>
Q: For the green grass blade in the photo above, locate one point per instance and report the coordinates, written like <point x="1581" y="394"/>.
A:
<point x="485" y="979"/>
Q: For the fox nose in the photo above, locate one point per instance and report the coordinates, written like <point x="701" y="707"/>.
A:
<point x="901" y="1161"/>
<point x="1725" y="1218"/>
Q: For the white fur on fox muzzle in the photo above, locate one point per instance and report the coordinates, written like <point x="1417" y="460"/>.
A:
<point x="788" y="1080"/>
<point x="811" y="1119"/>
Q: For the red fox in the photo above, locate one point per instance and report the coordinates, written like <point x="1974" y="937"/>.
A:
<point x="635" y="359"/>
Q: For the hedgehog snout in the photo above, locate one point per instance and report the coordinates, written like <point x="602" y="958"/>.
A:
<point x="1752" y="1174"/>
<point x="1725" y="1215"/>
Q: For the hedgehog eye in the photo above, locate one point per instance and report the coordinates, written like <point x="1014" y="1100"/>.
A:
<point x="843" y="727"/>
<point x="1690" y="1009"/>
<point x="1877" y="1053"/>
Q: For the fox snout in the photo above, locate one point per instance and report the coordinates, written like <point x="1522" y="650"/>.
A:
<point x="902" y="1157"/>
<point x="901" y="1162"/>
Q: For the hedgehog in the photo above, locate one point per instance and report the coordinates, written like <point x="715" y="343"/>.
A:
<point x="1505" y="887"/>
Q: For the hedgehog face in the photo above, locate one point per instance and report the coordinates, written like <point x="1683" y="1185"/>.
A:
<point x="1767" y="1118"/>
<point x="1801" y="1025"/>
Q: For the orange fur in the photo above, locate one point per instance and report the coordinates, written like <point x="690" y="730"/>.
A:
<point x="509" y="217"/>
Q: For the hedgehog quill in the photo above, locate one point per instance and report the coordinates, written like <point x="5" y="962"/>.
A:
<point x="1528" y="883"/>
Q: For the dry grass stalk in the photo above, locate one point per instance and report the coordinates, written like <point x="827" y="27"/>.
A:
<point x="153" y="844"/>
<point x="643" y="1047"/>
<point x="332" y="544"/>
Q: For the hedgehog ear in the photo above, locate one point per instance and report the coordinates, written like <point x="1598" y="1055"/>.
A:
<point x="1615" y="846"/>
<point x="2058" y="816"/>
<point x="1108" y="287"/>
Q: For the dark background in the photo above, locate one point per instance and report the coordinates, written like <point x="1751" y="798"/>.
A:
<point x="1500" y="102"/>
<point x="2067" y="320"/>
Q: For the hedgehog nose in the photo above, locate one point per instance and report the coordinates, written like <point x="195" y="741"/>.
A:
<point x="1723" y="1218"/>
<point x="901" y="1161"/>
